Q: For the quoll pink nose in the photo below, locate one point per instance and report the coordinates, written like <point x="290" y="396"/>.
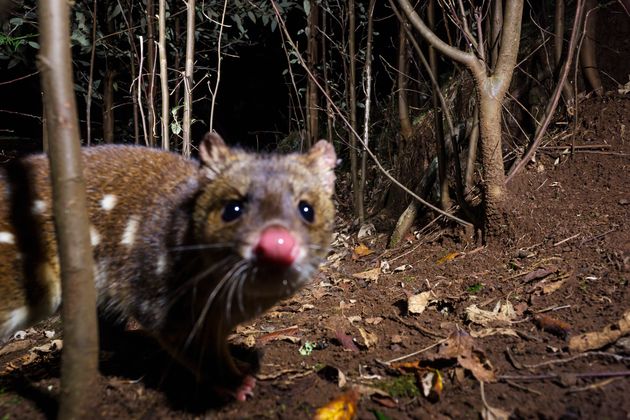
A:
<point x="276" y="246"/>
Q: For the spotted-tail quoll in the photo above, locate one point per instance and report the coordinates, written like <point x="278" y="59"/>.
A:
<point x="188" y="249"/>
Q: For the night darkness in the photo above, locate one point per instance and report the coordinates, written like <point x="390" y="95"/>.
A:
<point x="251" y="106"/>
<point x="254" y="96"/>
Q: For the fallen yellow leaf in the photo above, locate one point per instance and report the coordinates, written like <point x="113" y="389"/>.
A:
<point x="448" y="257"/>
<point x="343" y="407"/>
<point x="361" y="251"/>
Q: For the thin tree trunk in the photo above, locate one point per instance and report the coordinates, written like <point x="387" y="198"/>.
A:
<point x="553" y="102"/>
<point x="352" y="103"/>
<point x="558" y="42"/>
<point x="445" y="199"/>
<point x="406" y="130"/>
<point x="177" y="94"/>
<point x="151" y="72"/>
<point x="587" y="52"/>
<point x="88" y="95"/>
<point x="79" y="367"/>
<point x="312" y="57"/>
<point x="324" y="53"/>
<point x="491" y="86"/>
<point x="495" y="31"/>
<point x="473" y="140"/>
<point x="164" y="76"/>
<point x="214" y="92"/>
<point x="133" y="55"/>
<point x="367" y="87"/>
<point x="108" y="105"/>
<point x="188" y="75"/>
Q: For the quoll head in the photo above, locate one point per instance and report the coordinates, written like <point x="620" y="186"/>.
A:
<point x="269" y="217"/>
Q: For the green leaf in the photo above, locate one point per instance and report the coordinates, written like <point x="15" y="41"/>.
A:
<point x="34" y="44"/>
<point x="239" y="23"/>
<point x="307" y="7"/>
<point x="17" y="21"/>
<point x="307" y="348"/>
<point x="251" y="16"/>
<point x="116" y="12"/>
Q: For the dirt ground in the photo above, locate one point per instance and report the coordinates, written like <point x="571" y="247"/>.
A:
<point x="415" y="331"/>
<point x="509" y="313"/>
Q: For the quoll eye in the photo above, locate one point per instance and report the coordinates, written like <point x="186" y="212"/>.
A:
<point x="233" y="210"/>
<point x="306" y="211"/>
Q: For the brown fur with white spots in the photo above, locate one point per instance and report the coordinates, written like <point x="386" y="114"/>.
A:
<point x="168" y="250"/>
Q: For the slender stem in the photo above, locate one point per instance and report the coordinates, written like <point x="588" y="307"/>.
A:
<point x="163" y="75"/>
<point x="214" y="92"/>
<point x="354" y="132"/>
<point x="553" y="103"/>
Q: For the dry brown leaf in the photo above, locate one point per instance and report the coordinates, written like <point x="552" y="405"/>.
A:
<point x="461" y="346"/>
<point x="369" y="339"/>
<point x="53" y="346"/>
<point x="366" y="229"/>
<point x="346" y="341"/>
<point x="538" y="274"/>
<point x="549" y="288"/>
<point x="552" y="325"/>
<point x="385" y="268"/>
<point x="494" y="413"/>
<point x="403" y="267"/>
<point x="599" y="339"/>
<point x="502" y="314"/>
<point x="448" y="257"/>
<point x="416" y="304"/>
<point x="372" y="274"/>
<point x="343" y="407"/>
<point x="377" y="395"/>
<point x="487" y="332"/>
<point x="374" y="320"/>
<point x="15" y="345"/>
<point x="291" y="334"/>
<point x="333" y="374"/>
<point x="361" y="251"/>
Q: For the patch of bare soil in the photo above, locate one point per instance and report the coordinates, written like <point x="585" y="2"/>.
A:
<point x="510" y="314"/>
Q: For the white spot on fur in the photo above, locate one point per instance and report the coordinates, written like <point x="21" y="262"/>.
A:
<point x="15" y="319"/>
<point x="108" y="202"/>
<point x="39" y="207"/>
<point x="95" y="237"/>
<point x="100" y="274"/>
<point x="160" y="265"/>
<point x="7" y="238"/>
<point x="129" y="235"/>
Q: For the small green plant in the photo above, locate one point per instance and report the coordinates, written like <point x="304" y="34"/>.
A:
<point x="16" y="42"/>
<point x="474" y="288"/>
<point x="402" y="386"/>
<point x="307" y="348"/>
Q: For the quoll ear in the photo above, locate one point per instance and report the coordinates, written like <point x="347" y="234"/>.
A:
<point x="214" y="154"/>
<point x="323" y="159"/>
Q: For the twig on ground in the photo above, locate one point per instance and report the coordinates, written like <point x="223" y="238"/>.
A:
<point x="600" y="235"/>
<point x="524" y="388"/>
<point x="567" y="239"/>
<point x="586" y="375"/>
<point x="415" y="353"/>
<point x="578" y="147"/>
